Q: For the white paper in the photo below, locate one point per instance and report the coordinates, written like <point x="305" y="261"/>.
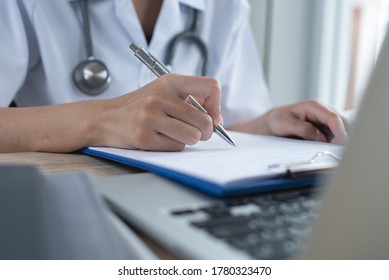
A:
<point x="218" y="162"/>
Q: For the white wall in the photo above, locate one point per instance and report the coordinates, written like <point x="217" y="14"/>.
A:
<point x="259" y="18"/>
<point x="283" y="31"/>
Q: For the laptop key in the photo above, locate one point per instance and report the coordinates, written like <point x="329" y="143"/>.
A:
<point x="269" y="250"/>
<point x="182" y="212"/>
<point x="285" y="249"/>
<point x="244" y="241"/>
<point x="217" y="210"/>
<point x="232" y="221"/>
<point x="228" y="231"/>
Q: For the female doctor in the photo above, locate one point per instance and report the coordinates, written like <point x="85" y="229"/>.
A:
<point x="51" y="49"/>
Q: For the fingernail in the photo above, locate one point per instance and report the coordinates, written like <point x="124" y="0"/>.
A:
<point x="219" y="121"/>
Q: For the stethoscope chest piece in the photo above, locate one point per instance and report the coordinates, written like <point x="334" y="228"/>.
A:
<point x="91" y="76"/>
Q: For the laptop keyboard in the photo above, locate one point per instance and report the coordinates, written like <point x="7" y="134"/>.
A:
<point x="269" y="226"/>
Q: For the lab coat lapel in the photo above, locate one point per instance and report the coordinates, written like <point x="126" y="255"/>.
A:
<point x="128" y="18"/>
<point x="170" y="22"/>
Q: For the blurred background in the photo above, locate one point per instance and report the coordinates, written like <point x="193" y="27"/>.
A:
<point x="319" y="49"/>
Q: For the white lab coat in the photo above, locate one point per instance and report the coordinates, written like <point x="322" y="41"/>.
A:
<point x="42" y="42"/>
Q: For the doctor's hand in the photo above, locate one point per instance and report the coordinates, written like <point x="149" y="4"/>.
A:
<point x="158" y="117"/>
<point x="309" y="120"/>
<point x="154" y="117"/>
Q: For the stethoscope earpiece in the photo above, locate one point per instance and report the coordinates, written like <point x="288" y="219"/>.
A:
<point x="92" y="76"/>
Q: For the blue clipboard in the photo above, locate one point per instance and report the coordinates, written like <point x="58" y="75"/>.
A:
<point x="242" y="188"/>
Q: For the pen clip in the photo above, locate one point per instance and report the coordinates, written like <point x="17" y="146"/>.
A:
<point x="165" y="68"/>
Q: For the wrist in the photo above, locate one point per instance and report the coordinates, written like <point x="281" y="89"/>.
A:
<point x="259" y="125"/>
<point x="98" y="116"/>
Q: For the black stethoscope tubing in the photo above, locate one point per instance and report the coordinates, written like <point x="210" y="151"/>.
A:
<point x="192" y="34"/>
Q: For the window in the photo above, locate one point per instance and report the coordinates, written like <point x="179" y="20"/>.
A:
<point x="351" y="35"/>
<point x="322" y="49"/>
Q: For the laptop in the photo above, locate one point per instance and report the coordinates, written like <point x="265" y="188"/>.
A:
<point x="59" y="217"/>
<point x="345" y="218"/>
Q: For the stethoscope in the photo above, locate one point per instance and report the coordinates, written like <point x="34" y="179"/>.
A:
<point x="92" y="76"/>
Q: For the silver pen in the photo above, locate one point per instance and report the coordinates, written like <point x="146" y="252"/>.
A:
<point x="159" y="69"/>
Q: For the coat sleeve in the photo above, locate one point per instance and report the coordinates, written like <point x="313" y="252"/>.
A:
<point x="14" y="53"/>
<point x="238" y="67"/>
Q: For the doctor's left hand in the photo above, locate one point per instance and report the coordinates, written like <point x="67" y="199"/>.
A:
<point x="309" y="120"/>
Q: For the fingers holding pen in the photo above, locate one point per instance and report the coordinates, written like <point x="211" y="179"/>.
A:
<point x="207" y="91"/>
<point x="159" y="116"/>
<point x="210" y="94"/>
<point x="173" y="117"/>
<point x="182" y="115"/>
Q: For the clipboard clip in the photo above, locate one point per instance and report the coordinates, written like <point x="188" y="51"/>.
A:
<point x="310" y="167"/>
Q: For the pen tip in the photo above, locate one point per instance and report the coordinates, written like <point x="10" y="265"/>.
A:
<point x="229" y="140"/>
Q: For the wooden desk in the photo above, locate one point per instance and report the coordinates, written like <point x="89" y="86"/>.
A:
<point x="56" y="163"/>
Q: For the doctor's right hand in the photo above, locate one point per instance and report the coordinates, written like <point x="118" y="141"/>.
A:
<point x="157" y="116"/>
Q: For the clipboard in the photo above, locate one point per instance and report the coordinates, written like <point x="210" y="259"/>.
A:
<point x="264" y="177"/>
<point x="311" y="167"/>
